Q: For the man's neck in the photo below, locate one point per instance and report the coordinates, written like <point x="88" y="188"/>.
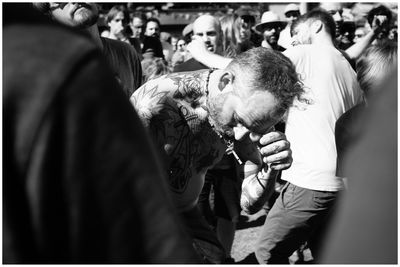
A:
<point x="323" y="39"/>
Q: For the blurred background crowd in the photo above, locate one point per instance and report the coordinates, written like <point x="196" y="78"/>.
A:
<point x="171" y="24"/>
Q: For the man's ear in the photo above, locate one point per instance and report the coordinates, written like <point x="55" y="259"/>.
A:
<point x="316" y="26"/>
<point x="227" y="77"/>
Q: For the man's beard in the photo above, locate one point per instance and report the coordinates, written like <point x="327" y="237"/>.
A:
<point x="215" y="110"/>
<point x="272" y="41"/>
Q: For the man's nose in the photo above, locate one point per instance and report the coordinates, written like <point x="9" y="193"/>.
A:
<point x="240" y="132"/>
<point x="205" y="38"/>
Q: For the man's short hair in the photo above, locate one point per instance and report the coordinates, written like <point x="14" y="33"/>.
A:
<point x="323" y="16"/>
<point x="270" y="71"/>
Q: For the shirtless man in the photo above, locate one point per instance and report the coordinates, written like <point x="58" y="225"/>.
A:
<point x="194" y="116"/>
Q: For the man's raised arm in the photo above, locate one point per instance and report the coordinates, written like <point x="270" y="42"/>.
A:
<point x="261" y="168"/>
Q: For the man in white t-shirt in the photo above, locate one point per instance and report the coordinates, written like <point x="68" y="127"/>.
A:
<point x="308" y="198"/>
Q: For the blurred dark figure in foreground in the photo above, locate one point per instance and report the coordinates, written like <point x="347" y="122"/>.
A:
<point x="81" y="181"/>
<point x="372" y="66"/>
<point x="365" y="229"/>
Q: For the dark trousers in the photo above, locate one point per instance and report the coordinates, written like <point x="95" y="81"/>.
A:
<point x="298" y="215"/>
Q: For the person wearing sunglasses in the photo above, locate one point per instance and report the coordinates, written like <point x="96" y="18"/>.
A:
<point x="270" y="28"/>
<point x="180" y="54"/>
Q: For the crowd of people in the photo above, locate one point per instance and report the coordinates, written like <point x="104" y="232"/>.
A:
<point x="134" y="145"/>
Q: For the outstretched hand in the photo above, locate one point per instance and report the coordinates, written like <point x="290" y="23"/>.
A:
<point x="378" y="23"/>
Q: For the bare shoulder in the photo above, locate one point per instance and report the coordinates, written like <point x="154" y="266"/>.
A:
<point x="153" y="90"/>
<point x="151" y="97"/>
<point x="190" y="85"/>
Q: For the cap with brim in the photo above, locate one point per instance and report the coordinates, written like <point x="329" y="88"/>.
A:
<point x="188" y="29"/>
<point x="291" y="7"/>
<point x="269" y="19"/>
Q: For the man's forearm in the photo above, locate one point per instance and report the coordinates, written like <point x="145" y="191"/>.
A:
<point x="358" y="48"/>
<point x="257" y="189"/>
<point x="213" y="60"/>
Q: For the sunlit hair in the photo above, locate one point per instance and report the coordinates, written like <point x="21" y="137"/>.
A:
<point x="268" y="70"/>
<point x="112" y="13"/>
<point x="230" y="35"/>
<point x="374" y="64"/>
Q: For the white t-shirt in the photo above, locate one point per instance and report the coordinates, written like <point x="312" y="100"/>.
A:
<point x="332" y="88"/>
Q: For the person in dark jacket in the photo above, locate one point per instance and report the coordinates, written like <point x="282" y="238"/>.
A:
<point x="82" y="182"/>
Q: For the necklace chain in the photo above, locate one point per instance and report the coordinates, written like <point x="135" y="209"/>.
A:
<point x="228" y="142"/>
<point x="208" y="80"/>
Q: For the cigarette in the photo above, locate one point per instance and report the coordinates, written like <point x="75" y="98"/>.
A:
<point x="237" y="157"/>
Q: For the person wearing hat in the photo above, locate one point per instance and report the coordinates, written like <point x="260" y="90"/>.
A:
<point x="187" y="33"/>
<point x="270" y="27"/>
<point x="292" y="13"/>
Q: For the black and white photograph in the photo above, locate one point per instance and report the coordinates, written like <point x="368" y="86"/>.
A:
<point x="200" y="133"/>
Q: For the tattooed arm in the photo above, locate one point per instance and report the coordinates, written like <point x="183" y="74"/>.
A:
<point x="170" y="108"/>
<point x="151" y="98"/>
<point x="262" y="165"/>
